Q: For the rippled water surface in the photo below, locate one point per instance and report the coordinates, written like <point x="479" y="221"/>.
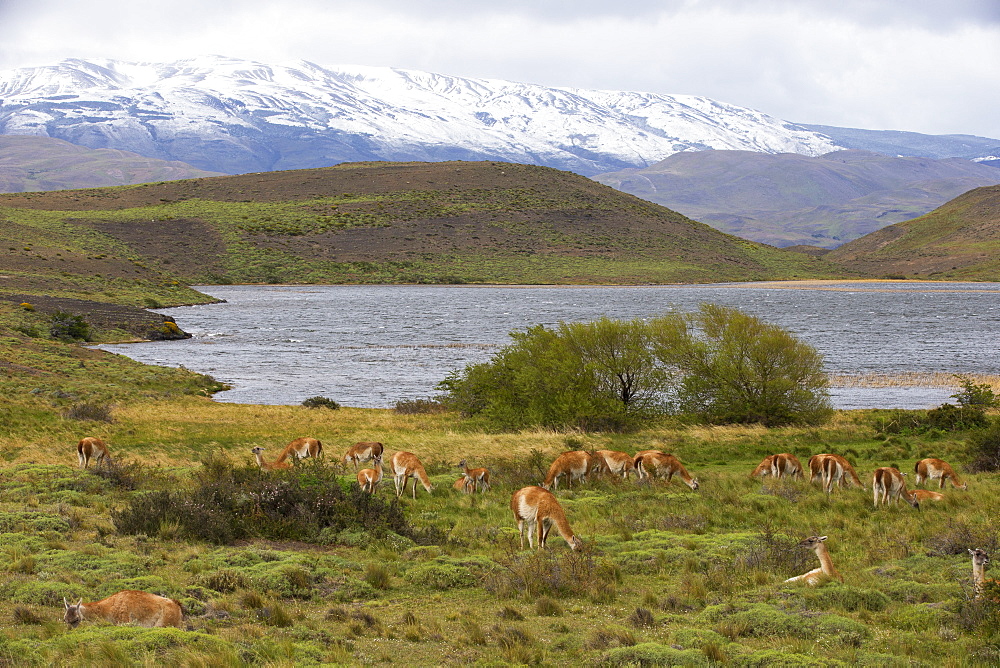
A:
<point x="371" y="346"/>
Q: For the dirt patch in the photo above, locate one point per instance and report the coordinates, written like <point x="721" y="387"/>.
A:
<point x="137" y="321"/>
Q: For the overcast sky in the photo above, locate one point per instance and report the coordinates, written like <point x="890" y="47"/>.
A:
<point x="929" y="66"/>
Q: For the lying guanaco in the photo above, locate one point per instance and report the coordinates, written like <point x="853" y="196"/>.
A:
<point x="979" y="561"/>
<point x="826" y="570"/>
<point x="480" y="477"/>
<point x="617" y="462"/>
<point x="89" y="448"/>
<point x="660" y="465"/>
<point x="930" y="468"/>
<point x="363" y="451"/>
<point x="784" y="465"/>
<point x="574" y="465"/>
<point x="405" y="465"/>
<point x="832" y="470"/>
<point x="922" y="495"/>
<point x="539" y="509"/>
<point x="368" y="479"/>
<point x="127" y="607"/>
<point x="258" y="452"/>
<point x="301" y="448"/>
<point x="888" y="484"/>
<point x="465" y="485"/>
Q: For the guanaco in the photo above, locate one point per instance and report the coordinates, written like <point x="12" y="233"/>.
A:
<point x="784" y="465"/>
<point x="301" y="448"/>
<point x="637" y="461"/>
<point x="90" y="447"/>
<point x="888" y="484"/>
<point x="368" y="479"/>
<point x="832" y="470"/>
<point x="405" y="465"/>
<point x="661" y="465"/>
<point x="979" y="561"/>
<point x="818" y="545"/>
<point x="538" y="507"/>
<point x="127" y="607"/>
<point x="930" y="468"/>
<point x="618" y="462"/>
<point x="465" y="485"/>
<point x="363" y="451"/>
<point x="480" y="477"/>
<point x="922" y="495"/>
<point x="258" y="453"/>
<point x="574" y="465"/>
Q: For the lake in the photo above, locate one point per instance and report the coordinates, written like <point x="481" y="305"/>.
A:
<point x="370" y="346"/>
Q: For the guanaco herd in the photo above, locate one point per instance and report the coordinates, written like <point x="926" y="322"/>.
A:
<point x="536" y="509"/>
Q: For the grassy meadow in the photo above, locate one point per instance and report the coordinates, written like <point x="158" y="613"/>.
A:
<point x="667" y="576"/>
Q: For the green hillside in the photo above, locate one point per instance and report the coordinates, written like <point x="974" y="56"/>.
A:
<point x="958" y="241"/>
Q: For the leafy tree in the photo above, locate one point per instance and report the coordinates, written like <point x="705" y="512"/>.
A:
<point x="979" y="395"/>
<point x="738" y="368"/>
<point x="69" y="327"/>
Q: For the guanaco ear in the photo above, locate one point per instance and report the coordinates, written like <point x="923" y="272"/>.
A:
<point x="66" y="603"/>
<point x="79" y="603"/>
<point x="971" y="551"/>
<point x="821" y="537"/>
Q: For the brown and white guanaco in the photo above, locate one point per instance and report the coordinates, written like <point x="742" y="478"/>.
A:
<point x="783" y="465"/>
<point x="574" y="465"/>
<point x="637" y="461"/>
<point x="405" y="465"/>
<point x="368" y="479"/>
<point x="258" y="453"/>
<point x="89" y="448"/>
<point x="363" y="451"/>
<point x="538" y="510"/>
<point x="979" y="561"/>
<point x="832" y="470"/>
<point x="465" y="485"/>
<point x="617" y="462"/>
<point x="660" y="465"/>
<point x="931" y="468"/>
<point x="826" y="570"/>
<point x="888" y="484"/>
<point x="127" y="607"/>
<point x="301" y="448"/>
<point x="480" y="477"/>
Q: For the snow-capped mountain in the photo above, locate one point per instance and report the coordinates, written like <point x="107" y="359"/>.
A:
<point x="229" y="115"/>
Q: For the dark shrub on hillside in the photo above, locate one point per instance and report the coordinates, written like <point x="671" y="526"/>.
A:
<point x="984" y="447"/>
<point x="321" y="402"/>
<point x="70" y="327"/>
<point x="946" y="417"/>
<point x="91" y="412"/>
<point x="228" y="504"/>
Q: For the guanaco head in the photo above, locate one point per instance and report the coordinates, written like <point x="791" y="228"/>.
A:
<point x="813" y="542"/>
<point x="73" y="616"/>
<point x="575" y="544"/>
<point x="694" y="484"/>
<point x="979" y="557"/>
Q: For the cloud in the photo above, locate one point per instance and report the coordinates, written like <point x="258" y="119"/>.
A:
<point x="918" y="65"/>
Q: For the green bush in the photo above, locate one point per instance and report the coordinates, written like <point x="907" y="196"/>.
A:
<point x="984" y="447"/>
<point x="321" y="402"/>
<point x="68" y="327"/>
<point x="653" y="654"/>
<point x="439" y="576"/>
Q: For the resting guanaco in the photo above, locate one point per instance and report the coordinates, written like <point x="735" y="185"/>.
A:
<point x="539" y="509"/>
<point x="405" y="465"/>
<point x="818" y="545"/>
<point x="618" y="462"/>
<point x="574" y="465"/>
<point x="258" y="452"/>
<point x="930" y="468"/>
<point x="665" y="466"/>
<point x="832" y="470"/>
<point x="480" y="477"/>
<point x="362" y="452"/>
<point x="888" y="484"/>
<point x="979" y="561"/>
<point x="301" y="448"/>
<point x="127" y="607"/>
<point x="90" y="447"/>
<point x="368" y="479"/>
<point x="922" y="495"/>
<point x="784" y="465"/>
<point x="465" y="485"/>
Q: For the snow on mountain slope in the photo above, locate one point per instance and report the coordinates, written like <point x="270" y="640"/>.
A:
<point x="233" y="115"/>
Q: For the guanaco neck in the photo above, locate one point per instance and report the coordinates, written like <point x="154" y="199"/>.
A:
<point x="826" y="563"/>
<point x="978" y="576"/>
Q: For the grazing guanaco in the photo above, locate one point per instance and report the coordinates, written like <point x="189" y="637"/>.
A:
<point x="922" y="495"/>
<point x="480" y="477"/>
<point x="258" y="452"/>
<point x="661" y="465"/>
<point x="979" y="561"/>
<point x="89" y="448"/>
<point x="538" y="507"/>
<point x="930" y="468"/>
<point x="637" y="461"/>
<point x="784" y="465"/>
<point x="574" y="465"/>
<point x="832" y="470"/>
<point x="826" y="570"/>
<point x="618" y="462"/>
<point x="363" y="451"/>
<point x="465" y="485"/>
<point x="405" y="465"/>
<point x="888" y="484"/>
<point x="301" y="448"/>
<point x="368" y="479"/>
<point x="127" y="607"/>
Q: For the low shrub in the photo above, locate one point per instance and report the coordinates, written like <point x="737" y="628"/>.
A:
<point x="419" y="406"/>
<point x="984" y="447"/>
<point x="69" y="327"/>
<point x="653" y="654"/>
<point x="321" y="402"/>
<point x="439" y="576"/>
<point x="89" y="412"/>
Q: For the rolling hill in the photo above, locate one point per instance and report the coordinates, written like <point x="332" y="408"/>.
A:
<point x="450" y="222"/>
<point x="29" y="163"/>
<point x="789" y="199"/>
<point x="958" y="241"/>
